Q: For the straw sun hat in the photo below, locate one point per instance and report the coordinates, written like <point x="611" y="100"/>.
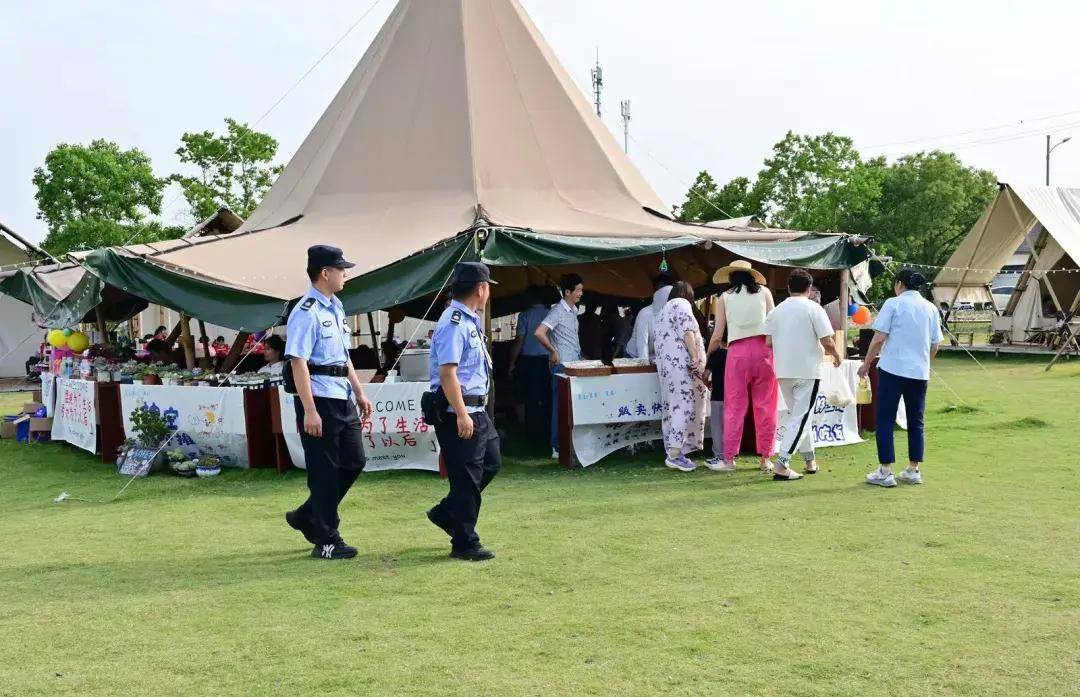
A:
<point x="723" y="275"/>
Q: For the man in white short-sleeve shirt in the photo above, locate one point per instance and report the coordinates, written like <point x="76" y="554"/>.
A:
<point x="797" y="330"/>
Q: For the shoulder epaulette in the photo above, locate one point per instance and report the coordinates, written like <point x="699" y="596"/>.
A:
<point x="306" y="305"/>
<point x="455" y="317"/>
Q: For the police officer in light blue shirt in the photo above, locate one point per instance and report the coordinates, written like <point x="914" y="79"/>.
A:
<point x="328" y="396"/>
<point x="461" y="368"/>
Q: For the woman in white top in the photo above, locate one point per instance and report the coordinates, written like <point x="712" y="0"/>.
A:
<point x="748" y="374"/>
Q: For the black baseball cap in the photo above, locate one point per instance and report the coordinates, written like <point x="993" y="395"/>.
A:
<point x="320" y="256"/>
<point x="472" y="272"/>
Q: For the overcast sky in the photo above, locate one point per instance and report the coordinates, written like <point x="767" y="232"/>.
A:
<point x="713" y="84"/>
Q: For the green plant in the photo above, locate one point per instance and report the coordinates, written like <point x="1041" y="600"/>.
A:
<point x="149" y="427"/>
<point x="209" y="460"/>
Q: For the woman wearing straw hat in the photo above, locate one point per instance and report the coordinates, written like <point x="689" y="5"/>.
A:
<point x="748" y="376"/>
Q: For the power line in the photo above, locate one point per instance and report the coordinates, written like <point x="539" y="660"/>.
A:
<point x="1015" y="124"/>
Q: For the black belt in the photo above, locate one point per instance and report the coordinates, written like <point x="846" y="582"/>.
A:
<point x="334" y="371"/>
<point x="476" y="400"/>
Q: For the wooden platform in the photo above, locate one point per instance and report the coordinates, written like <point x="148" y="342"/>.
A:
<point x="18" y="385"/>
<point x="1005" y="350"/>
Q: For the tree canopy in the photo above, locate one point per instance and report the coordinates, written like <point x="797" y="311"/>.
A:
<point x="235" y="169"/>
<point x="98" y="195"/>
<point x="917" y="208"/>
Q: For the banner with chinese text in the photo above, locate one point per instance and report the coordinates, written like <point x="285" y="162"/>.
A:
<point x="202" y="419"/>
<point x="74" y="413"/>
<point x="395" y="437"/>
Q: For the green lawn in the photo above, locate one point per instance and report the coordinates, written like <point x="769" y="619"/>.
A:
<point x="625" y="578"/>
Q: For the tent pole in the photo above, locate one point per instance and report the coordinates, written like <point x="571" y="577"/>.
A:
<point x="1070" y="335"/>
<point x="101" y="325"/>
<point x="205" y="341"/>
<point x="173" y="335"/>
<point x="845" y="300"/>
<point x="491" y="352"/>
<point x="967" y="267"/>
<point x="235" y="353"/>
<point x="186" y="341"/>
<point x="374" y="340"/>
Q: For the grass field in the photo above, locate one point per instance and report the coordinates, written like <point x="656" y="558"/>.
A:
<point x="625" y="578"/>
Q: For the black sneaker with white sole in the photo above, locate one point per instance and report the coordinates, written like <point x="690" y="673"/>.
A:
<point x="477" y="553"/>
<point x="338" y="550"/>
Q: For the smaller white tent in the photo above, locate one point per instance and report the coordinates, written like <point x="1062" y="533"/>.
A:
<point x="1050" y="283"/>
<point x="17" y="329"/>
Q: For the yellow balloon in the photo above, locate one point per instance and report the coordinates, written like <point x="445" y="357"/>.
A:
<point x="78" y="342"/>
<point x="56" y="338"/>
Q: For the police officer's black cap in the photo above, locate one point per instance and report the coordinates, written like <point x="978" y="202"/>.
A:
<point x="321" y="256"/>
<point x="472" y="272"/>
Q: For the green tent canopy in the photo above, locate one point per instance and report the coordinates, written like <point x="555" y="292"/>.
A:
<point x="613" y="267"/>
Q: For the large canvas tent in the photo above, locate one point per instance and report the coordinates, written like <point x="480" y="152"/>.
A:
<point x="1049" y="284"/>
<point x="459" y="136"/>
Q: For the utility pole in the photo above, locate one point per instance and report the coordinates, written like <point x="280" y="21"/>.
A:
<point x="625" y="108"/>
<point x="598" y="82"/>
<point x="1049" y="150"/>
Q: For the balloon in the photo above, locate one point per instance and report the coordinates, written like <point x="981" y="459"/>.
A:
<point x="56" y="338"/>
<point x="78" y="342"/>
<point x="852" y="309"/>
<point x="862" y="316"/>
<point x="69" y="332"/>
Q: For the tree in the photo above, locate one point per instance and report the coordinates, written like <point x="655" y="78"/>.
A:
<point x="98" y="195"/>
<point x="705" y="203"/>
<point x="815" y="182"/>
<point x="234" y="169"/>
<point x="928" y="203"/>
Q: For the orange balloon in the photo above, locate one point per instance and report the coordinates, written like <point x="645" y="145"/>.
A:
<point x="861" y="316"/>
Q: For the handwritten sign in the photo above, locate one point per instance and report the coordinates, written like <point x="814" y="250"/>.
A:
<point x="75" y="414"/>
<point x="616" y="399"/>
<point x="201" y="419"/>
<point x="139" y="462"/>
<point x="395" y="437"/>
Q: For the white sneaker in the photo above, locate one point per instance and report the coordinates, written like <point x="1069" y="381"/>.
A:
<point x="879" y="478"/>
<point x="717" y="464"/>
<point x="554" y="454"/>
<point x="909" y="476"/>
<point x="681" y="464"/>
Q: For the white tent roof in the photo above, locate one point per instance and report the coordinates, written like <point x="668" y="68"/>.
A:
<point x="459" y="109"/>
<point x="1000" y="231"/>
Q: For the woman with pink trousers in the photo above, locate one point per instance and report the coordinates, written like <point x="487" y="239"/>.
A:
<point x="748" y="377"/>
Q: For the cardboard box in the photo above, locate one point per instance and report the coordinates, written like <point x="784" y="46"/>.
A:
<point x="32" y="407"/>
<point x="9" y="428"/>
<point x="41" y="423"/>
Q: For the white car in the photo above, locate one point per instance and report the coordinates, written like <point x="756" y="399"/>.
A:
<point x="964" y="306"/>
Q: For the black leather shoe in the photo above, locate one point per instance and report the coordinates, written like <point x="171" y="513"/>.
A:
<point x="440" y="520"/>
<point x="301" y="524"/>
<point x="476" y="553"/>
<point x="339" y="550"/>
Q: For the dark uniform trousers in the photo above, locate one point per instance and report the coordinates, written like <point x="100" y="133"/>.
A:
<point x="333" y="463"/>
<point x="470" y="466"/>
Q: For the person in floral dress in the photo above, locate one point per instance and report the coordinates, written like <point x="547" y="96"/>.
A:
<point x="680" y="365"/>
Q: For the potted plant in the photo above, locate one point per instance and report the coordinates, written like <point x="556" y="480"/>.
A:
<point x="150" y="374"/>
<point x="181" y="464"/>
<point x="209" y="465"/>
<point x="145" y="455"/>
